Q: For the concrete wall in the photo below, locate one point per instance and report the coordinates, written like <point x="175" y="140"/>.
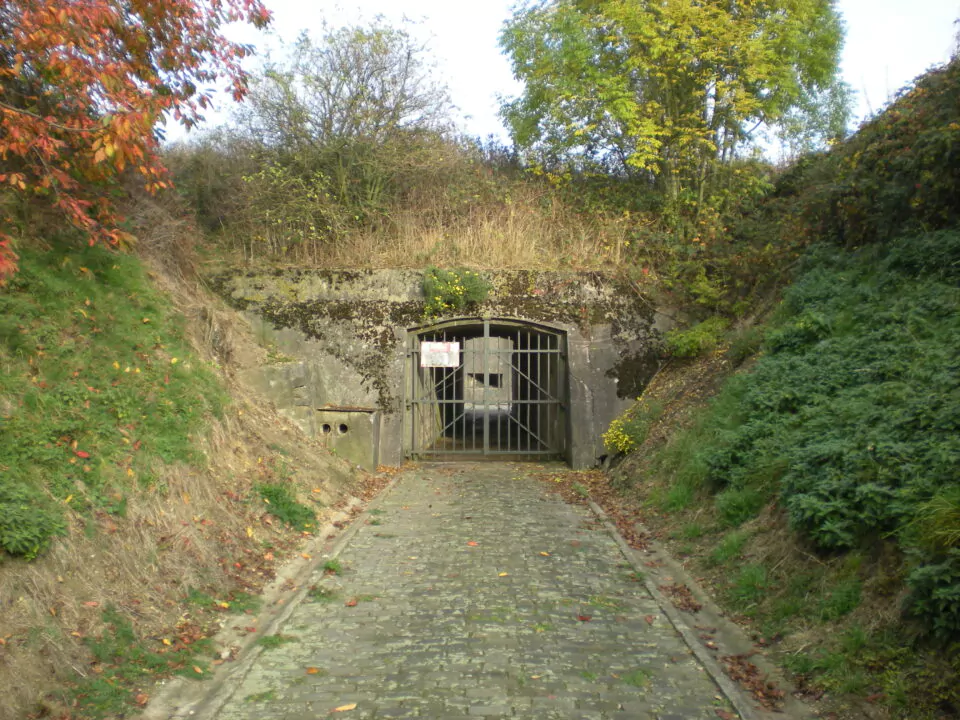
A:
<point x="338" y="342"/>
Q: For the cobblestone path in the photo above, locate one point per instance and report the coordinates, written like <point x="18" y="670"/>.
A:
<point x="475" y="592"/>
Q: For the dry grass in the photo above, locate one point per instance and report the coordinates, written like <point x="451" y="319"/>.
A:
<point x="189" y="535"/>
<point x="528" y="230"/>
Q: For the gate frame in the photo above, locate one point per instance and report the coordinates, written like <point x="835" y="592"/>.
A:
<point x="410" y="373"/>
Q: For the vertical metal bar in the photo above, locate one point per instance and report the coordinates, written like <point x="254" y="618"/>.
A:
<point x="551" y="415"/>
<point x="515" y="395"/>
<point x="405" y="408"/>
<point x="483" y="392"/>
<point x="522" y="430"/>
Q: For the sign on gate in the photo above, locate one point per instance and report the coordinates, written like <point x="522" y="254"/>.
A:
<point x="440" y="354"/>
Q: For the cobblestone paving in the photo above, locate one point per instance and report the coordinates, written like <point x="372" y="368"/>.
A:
<point x="478" y="593"/>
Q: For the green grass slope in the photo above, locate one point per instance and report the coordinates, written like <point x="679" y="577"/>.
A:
<point x="97" y="387"/>
<point x="144" y="492"/>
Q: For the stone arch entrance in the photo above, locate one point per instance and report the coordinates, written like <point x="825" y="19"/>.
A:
<point x="486" y="388"/>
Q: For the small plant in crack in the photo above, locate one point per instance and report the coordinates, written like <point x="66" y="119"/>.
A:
<point x="318" y="593"/>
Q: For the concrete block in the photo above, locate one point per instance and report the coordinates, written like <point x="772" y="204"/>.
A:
<point x="353" y="433"/>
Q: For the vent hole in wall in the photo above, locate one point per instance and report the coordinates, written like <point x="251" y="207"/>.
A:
<point x="326" y="429"/>
<point x="343" y="428"/>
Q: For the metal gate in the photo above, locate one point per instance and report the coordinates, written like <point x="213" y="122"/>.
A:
<point x="499" y="391"/>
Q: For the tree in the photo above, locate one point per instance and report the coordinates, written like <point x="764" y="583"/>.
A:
<point x="667" y="89"/>
<point x="83" y="87"/>
<point x="348" y="116"/>
<point x="357" y="83"/>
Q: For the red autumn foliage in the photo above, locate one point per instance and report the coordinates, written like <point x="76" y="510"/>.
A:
<point x="83" y="85"/>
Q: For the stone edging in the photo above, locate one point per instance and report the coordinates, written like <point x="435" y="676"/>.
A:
<point x="726" y="685"/>
<point x="178" y="700"/>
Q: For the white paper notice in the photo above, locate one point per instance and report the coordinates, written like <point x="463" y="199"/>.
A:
<point x="440" y="354"/>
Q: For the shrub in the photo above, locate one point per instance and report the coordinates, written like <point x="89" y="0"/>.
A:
<point x="737" y="505"/>
<point x="284" y="506"/>
<point x="935" y="595"/>
<point x="629" y="431"/>
<point x="698" y="340"/>
<point x="851" y="415"/>
<point x="745" y="343"/>
<point x="452" y="290"/>
<point x="27" y="521"/>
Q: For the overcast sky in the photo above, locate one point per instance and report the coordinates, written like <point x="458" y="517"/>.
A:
<point x="888" y="43"/>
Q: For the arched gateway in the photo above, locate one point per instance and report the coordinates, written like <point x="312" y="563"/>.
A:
<point x="486" y="388"/>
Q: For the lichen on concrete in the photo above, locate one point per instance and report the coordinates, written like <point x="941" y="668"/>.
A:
<point x="350" y="328"/>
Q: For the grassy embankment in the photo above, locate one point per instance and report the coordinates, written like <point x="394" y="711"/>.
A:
<point x="133" y="473"/>
<point x="817" y="492"/>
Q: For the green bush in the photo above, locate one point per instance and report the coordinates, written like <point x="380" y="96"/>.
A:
<point x="629" y="431"/>
<point x="28" y="522"/>
<point x="702" y="338"/>
<point x="449" y="291"/>
<point x="745" y="343"/>
<point x="284" y="506"/>
<point x="737" y="505"/>
<point x="851" y="415"/>
<point x="935" y="594"/>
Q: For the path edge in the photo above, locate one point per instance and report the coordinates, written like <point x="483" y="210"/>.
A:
<point x="204" y="701"/>
<point x="733" y="693"/>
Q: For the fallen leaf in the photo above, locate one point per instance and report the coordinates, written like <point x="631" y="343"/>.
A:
<point x="312" y="670"/>
<point x="165" y="641"/>
<point x="472" y="543"/>
<point x="352" y="602"/>
<point x="197" y="670"/>
<point x="91" y="603"/>
<point x="305" y="556"/>
<point x="545" y="554"/>
<point x="503" y="574"/>
<point x="344" y="708"/>
<point x="141" y="699"/>
<point x="724" y="715"/>
<point x="81" y="454"/>
<point x="649" y="619"/>
<point x="584" y="618"/>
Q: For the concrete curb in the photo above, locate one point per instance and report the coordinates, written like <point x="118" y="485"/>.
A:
<point x="181" y="698"/>
<point x="733" y="693"/>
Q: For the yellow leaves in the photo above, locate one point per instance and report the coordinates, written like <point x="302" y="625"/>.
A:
<point x="503" y="574"/>
<point x="249" y="532"/>
<point x="544" y="554"/>
<point x="345" y="708"/>
<point x="313" y="671"/>
<point x="167" y="642"/>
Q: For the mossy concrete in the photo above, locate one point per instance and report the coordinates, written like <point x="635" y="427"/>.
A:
<point x="339" y="338"/>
